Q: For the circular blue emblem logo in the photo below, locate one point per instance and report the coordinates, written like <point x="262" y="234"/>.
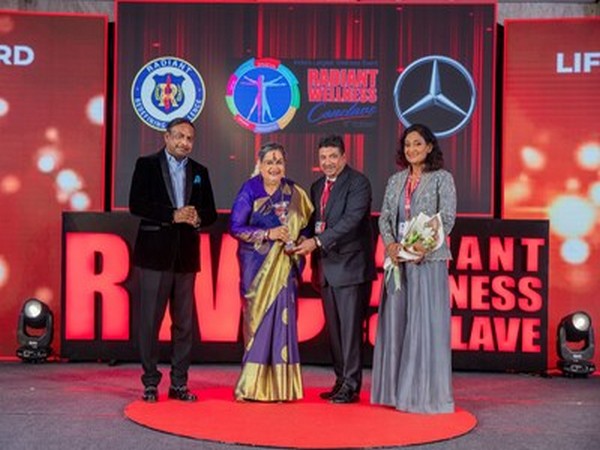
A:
<point x="167" y="88"/>
<point x="263" y="95"/>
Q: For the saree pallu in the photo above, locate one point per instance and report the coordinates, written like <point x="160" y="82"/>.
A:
<point x="269" y="288"/>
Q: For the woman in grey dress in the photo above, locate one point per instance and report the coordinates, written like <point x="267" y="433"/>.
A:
<point x="412" y="366"/>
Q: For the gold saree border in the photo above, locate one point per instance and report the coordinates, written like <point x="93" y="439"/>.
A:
<point x="269" y="383"/>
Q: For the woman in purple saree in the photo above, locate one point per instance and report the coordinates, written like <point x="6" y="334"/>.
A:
<point x="268" y="215"/>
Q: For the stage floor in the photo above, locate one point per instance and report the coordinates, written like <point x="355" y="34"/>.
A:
<point x="80" y="405"/>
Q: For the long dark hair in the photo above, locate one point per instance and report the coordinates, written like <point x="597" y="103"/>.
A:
<point x="434" y="159"/>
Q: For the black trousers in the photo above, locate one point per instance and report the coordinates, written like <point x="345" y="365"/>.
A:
<point x="156" y="288"/>
<point x="345" y="310"/>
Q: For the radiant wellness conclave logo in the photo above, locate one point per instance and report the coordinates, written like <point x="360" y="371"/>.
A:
<point x="167" y="88"/>
<point x="263" y="95"/>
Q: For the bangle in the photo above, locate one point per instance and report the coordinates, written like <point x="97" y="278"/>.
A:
<point x="317" y="241"/>
<point x="267" y="235"/>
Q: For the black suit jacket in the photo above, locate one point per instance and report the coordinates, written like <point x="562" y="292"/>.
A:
<point x="347" y="253"/>
<point x="162" y="244"/>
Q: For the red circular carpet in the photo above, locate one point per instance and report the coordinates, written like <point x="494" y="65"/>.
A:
<point x="309" y="423"/>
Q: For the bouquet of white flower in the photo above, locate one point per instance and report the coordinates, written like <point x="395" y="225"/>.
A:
<point x="423" y="231"/>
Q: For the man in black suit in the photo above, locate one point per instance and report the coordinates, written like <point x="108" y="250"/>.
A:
<point x="343" y="262"/>
<point x="173" y="196"/>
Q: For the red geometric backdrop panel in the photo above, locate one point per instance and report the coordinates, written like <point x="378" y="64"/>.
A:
<point x="552" y="153"/>
<point x="52" y="86"/>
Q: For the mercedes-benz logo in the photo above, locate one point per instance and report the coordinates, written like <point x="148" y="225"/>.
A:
<point x="437" y="91"/>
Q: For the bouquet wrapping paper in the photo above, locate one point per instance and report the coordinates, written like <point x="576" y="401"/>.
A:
<point x="423" y="229"/>
<point x="428" y="231"/>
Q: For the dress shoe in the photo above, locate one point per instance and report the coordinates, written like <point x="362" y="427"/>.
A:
<point x="334" y="390"/>
<point x="345" y="395"/>
<point x="182" y="393"/>
<point x="150" y="394"/>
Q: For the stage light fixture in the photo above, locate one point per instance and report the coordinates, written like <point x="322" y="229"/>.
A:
<point x="35" y="329"/>
<point x="575" y="345"/>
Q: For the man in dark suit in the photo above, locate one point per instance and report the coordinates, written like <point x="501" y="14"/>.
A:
<point x="343" y="262"/>
<point x="173" y="196"/>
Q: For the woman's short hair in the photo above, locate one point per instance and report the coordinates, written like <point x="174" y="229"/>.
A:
<point x="269" y="147"/>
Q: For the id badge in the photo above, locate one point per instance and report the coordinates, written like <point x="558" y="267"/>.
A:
<point x="319" y="227"/>
<point x="401" y="229"/>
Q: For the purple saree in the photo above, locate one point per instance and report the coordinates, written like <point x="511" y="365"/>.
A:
<point x="269" y="288"/>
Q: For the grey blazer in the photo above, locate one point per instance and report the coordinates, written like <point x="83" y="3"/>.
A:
<point x="435" y="193"/>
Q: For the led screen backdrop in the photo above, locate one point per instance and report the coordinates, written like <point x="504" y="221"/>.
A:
<point x="247" y="73"/>
<point x="52" y="85"/>
<point x="552" y="153"/>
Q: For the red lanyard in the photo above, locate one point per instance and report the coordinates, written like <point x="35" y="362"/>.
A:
<point x="410" y="188"/>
